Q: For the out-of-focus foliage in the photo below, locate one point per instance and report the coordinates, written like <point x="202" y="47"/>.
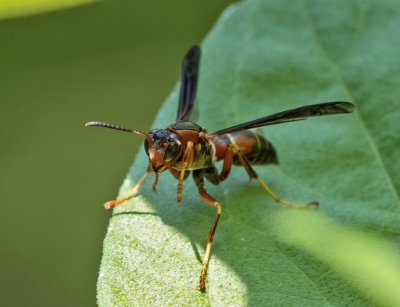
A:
<point x="368" y="262"/>
<point x="14" y="8"/>
<point x="263" y="57"/>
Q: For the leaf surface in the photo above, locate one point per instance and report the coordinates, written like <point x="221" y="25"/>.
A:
<point x="260" y="58"/>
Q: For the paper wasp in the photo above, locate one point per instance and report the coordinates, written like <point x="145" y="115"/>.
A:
<point x="184" y="147"/>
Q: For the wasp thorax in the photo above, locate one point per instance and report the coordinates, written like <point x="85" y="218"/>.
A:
<point x="166" y="147"/>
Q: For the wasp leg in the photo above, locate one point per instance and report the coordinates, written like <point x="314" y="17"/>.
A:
<point x="155" y="182"/>
<point x="132" y="193"/>
<point x="232" y="150"/>
<point x="177" y="173"/>
<point x="187" y="160"/>
<point x="226" y="167"/>
<point x="198" y="179"/>
<point x="252" y="174"/>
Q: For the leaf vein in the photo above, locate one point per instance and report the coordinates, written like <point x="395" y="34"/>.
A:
<point x="340" y="79"/>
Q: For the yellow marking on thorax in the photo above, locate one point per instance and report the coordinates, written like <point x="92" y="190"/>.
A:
<point x="198" y="147"/>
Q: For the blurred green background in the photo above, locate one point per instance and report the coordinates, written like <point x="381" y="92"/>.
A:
<point x="112" y="61"/>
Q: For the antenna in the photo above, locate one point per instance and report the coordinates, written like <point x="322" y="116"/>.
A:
<point x="111" y="126"/>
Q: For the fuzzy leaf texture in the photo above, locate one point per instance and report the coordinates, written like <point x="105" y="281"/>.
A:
<point x="263" y="57"/>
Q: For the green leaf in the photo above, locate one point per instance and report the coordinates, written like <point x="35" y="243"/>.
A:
<point x="263" y="57"/>
<point x="17" y="8"/>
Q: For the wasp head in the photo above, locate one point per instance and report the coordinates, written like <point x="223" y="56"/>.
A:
<point x="163" y="149"/>
<point x="162" y="146"/>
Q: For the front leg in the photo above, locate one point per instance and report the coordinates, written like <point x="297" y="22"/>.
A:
<point x="177" y="173"/>
<point x="187" y="160"/>
<point x="132" y="193"/>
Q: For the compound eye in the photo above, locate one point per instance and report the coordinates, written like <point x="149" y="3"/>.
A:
<point x="171" y="152"/>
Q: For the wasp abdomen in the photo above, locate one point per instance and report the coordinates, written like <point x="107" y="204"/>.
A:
<point x="253" y="145"/>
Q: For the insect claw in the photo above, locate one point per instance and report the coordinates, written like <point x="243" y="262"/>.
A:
<point x="202" y="288"/>
<point x="109" y="204"/>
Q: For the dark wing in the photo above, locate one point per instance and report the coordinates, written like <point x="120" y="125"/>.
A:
<point x="190" y="73"/>
<point x="328" y="108"/>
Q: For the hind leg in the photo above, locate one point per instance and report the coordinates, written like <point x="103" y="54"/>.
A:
<point x="234" y="150"/>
